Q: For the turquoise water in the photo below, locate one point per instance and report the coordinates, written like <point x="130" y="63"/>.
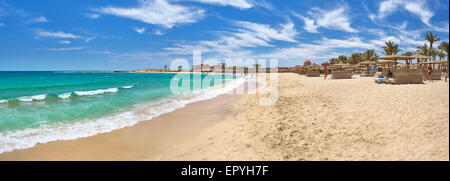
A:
<point x="37" y="107"/>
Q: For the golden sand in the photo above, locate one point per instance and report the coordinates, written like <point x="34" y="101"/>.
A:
<point x="316" y="119"/>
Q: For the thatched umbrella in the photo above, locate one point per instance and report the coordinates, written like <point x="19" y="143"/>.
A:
<point x="396" y="57"/>
<point x="307" y="63"/>
<point x="325" y="64"/>
<point x="340" y="65"/>
<point x="419" y="56"/>
<point x="367" y="63"/>
<point x="388" y="62"/>
<point x="435" y="62"/>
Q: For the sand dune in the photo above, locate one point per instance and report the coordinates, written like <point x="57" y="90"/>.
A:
<point x="316" y="119"/>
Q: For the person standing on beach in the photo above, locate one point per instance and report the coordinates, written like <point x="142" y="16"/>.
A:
<point x="373" y="70"/>
<point x="430" y="71"/>
<point x="325" y="72"/>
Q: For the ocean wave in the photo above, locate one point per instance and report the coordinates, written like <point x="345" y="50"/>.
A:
<point x="3" y="101"/>
<point x="65" y="95"/>
<point x="95" y="92"/>
<point x="22" y="139"/>
<point x="32" y="98"/>
<point x="128" y="87"/>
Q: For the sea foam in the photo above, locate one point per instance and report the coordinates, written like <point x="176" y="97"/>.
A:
<point x="3" y="101"/>
<point x="32" y="98"/>
<point x="95" y="92"/>
<point x="65" y="95"/>
<point x="22" y="139"/>
<point x="128" y="87"/>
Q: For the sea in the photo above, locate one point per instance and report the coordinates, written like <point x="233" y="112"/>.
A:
<point x="40" y="107"/>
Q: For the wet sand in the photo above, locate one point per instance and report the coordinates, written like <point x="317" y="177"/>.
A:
<point x="147" y="139"/>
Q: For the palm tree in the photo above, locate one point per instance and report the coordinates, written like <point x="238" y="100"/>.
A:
<point x="432" y="38"/>
<point x="444" y="48"/>
<point x="368" y="55"/>
<point x="408" y="53"/>
<point x="342" y="59"/>
<point x="424" y="50"/>
<point x="355" y="58"/>
<point x="391" y="48"/>
<point x="165" y="67"/>
<point x="333" y="60"/>
<point x="441" y="55"/>
<point x="433" y="53"/>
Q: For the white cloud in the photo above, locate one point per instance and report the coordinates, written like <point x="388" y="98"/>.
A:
<point x="336" y="19"/>
<point x="88" y="39"/>
<point x="157" y="32"/>
<point x="40" y="19"/>
<point x="64" y="49"/>
<point x="287" y="31"/>
<point x="248" y="35"/>
<point x="139" y="30"/>
<point x="64" y="42"/>
<point x="158" y="12"/>
<point x="416" y="7"/>
<point x="242" y="4"/>
<point x="320" y="49"/>
<point x="58" y="34"/>
<point x="92" y="15"/>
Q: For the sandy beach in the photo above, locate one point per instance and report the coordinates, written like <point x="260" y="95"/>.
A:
<point x="313" y="119"/>
<point x="316" y="119"/>
<point x="146" y="139"/>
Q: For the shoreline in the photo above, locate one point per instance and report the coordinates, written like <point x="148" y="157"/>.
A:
<point x="213" y="93"/>
<point x="313" y="119"/>
<point x="148" y="138"/>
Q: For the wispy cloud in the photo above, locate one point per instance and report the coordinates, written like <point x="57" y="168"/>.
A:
<point x="64" y="49"/>
<point x="319" y="49"/>
<point x="92" y="15"/>
<point x="9" y="10"/>
<point x="40" y="19"/>
<point x="139" y="30"/>
<point x="2" y="24"/>
<point x="64" y="42"/>
<point x="158" y="12"/>
<point x="57" y="34"/>
<point x="416" y="7"/>
<point x="157" y="32"/>
<point x="248" y="34"/>
<point x="242" y="4"/>
<point x="336" y="19"/>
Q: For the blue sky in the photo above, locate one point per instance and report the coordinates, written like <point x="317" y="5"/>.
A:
<point x="134" y="34"/>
